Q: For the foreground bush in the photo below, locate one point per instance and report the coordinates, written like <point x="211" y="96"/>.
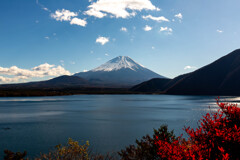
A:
<point x="71" y="151"/>
<point x="216" y="138"/>
<point x="9" y="155"/>
<point x="146" y="148"/>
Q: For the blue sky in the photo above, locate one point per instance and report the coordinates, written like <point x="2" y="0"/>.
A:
<point x="46" y="38"/>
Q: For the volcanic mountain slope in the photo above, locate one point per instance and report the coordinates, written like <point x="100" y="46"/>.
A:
<point x="221" y="77"/>
<point x="121" y="71"/>
<point x="58" y="82"/>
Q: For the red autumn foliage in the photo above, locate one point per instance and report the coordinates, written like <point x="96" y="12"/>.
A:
<point x="217" y="137"/>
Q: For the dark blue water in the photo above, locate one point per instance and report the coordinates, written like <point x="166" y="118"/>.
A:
<point x="109" y="122"/>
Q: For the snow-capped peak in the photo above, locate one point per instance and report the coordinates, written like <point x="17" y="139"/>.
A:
<point x="119" y="63"/>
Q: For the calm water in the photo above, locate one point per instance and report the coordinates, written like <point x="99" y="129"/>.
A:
<point x="109" y="122"/>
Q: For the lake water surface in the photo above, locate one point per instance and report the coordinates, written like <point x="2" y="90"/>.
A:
<point x="109" y="122"/>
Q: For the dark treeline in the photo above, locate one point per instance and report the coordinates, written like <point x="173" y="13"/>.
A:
<point x="61" y="91"/>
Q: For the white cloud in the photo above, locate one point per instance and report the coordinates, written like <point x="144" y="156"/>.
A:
<point x="80" y="22"/>
<point x="179" y="15"/>
<point x="38" y="71"/>
<point x="147" y="28"/>
<point x="42" y="67"/>
<point x="10" y="80"/>
<point x="95" y="13"/>
<point x="63" y="15"/>
<point x="102" y="40"/>
<point x="163" y="29"/>
<point x="118" y="8"/>
<point x="66" y="15"/>
<point x="190" y="67"/>
<point x="219" y="31"/>
<point x="166" y="29"/>
<point x="158" y="19"/>
<point x="85" y="70"/>
<point x="153" y="47"/>
<point x="124" y="29"/>
<point x="47" y="37"/>
<point x="106" y="54"/>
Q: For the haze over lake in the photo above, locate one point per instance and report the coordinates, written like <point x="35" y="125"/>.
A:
<point x="109" y="122"/>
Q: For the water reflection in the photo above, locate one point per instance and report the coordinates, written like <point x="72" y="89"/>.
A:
<point x="27" y="115"/>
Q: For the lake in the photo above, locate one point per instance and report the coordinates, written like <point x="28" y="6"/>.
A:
<point x="109" y="122"/>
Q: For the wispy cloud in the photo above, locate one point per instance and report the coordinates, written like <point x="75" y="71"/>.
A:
<point x="166" y="30"/>
<point x="147" y="28"/>
<point x="72" y="62"/>
<point x="118" y="8"/>
<point x="219" y="31"/>
<point x="42" y="6"/>
<point x="45" y="9"/>
<point x="158" y="19"/>
<point x="102" y="40"/>
<point x="124" y="29"/>
<point x="179" y="15"/>
<point x="62" y="62"/>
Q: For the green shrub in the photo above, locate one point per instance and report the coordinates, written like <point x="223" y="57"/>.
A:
<point x="73" y="151"/>
<point x="9" y="155"/>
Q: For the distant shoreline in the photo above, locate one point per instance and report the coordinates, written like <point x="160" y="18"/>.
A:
<point x="62" y="92"/>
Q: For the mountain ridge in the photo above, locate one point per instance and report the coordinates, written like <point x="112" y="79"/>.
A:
<point x="120" y="71"/>
<point x="220" y="77"/>
<point x="211" y="78"/>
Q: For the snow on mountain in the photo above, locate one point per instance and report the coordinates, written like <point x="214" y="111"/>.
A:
<point x="120" y="71"/>
<point x="119" y="63"/>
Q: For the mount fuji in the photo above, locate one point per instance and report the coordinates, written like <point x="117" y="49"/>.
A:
<point x="121" y="71"/>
